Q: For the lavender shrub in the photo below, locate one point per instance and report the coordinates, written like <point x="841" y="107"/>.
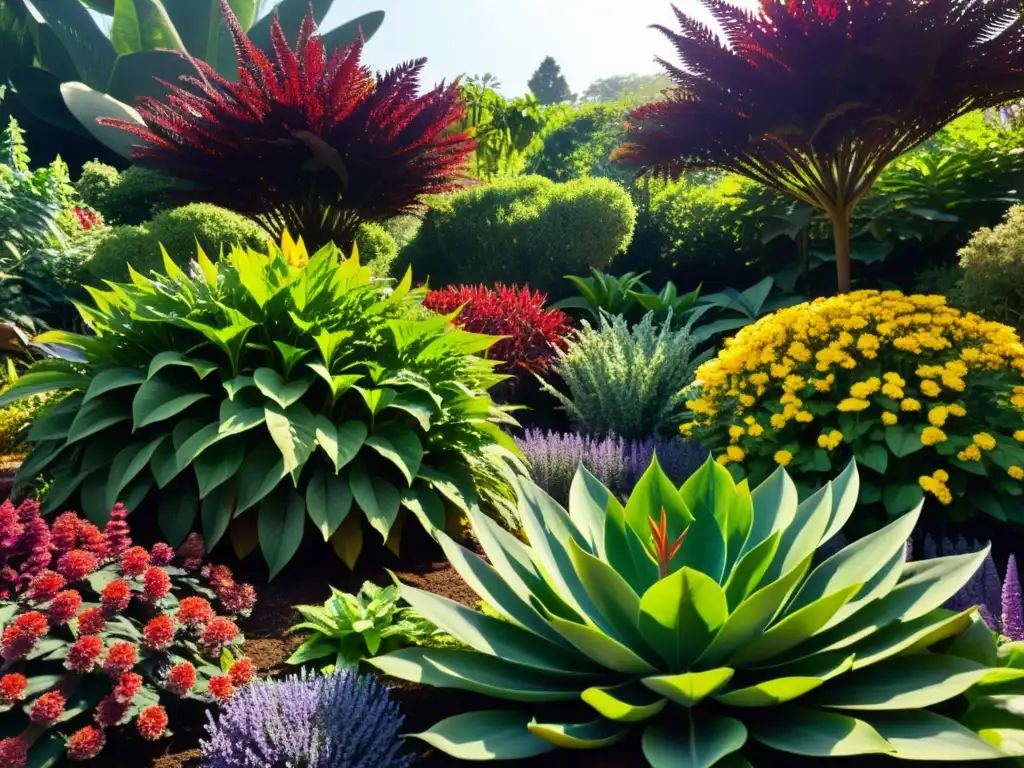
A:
<point x="334" y="721"/>
<point x="555" y="456"/>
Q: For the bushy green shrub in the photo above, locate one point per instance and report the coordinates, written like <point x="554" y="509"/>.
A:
<point x="527" y="229"/>
<point x="177" y="230"/>
<point x="581" y="145"/>
<point x="993" y="271"/>
<point x="133" y="196"/>
<point x="625" y="381"/>
<point x="402" y="228"/>
<point x="713" y="625"/>
<point x="276" y="385"/>
<point x="377" y="249"/>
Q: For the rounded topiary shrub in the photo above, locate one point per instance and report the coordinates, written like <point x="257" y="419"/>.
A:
<point x="927" y="399"/>
<point x="377" y="249"/>
<point x="993" y="270"/>
<point x="136" y="196"/>
<point x="95" y="182"/>
<point x="527" y="229"/>
<point x="178" y="231"/>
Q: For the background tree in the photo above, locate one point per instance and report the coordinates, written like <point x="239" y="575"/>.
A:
<point x="548" y="83"/>
<point x="816" y="97"/>
<point x="619" y="87"/>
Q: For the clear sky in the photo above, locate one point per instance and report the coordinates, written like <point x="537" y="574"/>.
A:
<point x="590" y="39"/>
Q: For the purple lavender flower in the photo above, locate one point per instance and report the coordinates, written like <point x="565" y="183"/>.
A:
<point x="1013" y="612"/>
<point x="335" y="721"/>
<point x="983" y="590"/>
<point x="554" y="458"/>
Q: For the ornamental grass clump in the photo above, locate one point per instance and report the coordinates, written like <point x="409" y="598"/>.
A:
<point x="281" y="385"/>
<point x="99" y="633"/>
<point x="703" y="620"/>
<point x="928" y="399"/>
<point x="340" y="720"/>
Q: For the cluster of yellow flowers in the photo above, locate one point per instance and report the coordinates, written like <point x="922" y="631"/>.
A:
<point x="882" y="357"/>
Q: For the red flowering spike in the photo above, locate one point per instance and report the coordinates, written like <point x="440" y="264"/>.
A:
<point x="13" y="753"/>
<point x="152" y="722"/>
<point x="85" y="743"/>
<point x="82" y="656"/>
<point x="12" y="687"/>
<point x="242" y="672"/>
<point x="221" y="687"/>
<point x="304" y="142"/>
<point x="47" y="708"/>
<point x="181" y="678"/>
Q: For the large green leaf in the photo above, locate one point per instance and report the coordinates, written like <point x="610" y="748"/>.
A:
<point x="159" y="399"/>
<point x="779" y="690"/>
<point x="345" y="34"/>
<point x="802" y="535"/>
<point x="215" y="467"/>
<point x="378" y="498"/>
<point x="625" y="703"/>
<point x="775" y="503"/>
<point x="593" y="735"/>
<point x="95" y="416"/>
<point x="113" y="378"/>
<point x="177" y="512"/>
<point x="285" y="394"/>
<point x="803" y="731"/>
<point x="293" y="431"/>
<point x="588" y="502"/>
<point x="88" y="106"/>
<point x="654" y="492"/>
<point x="216" y="514"/>
<point x="599" y="647"/>
<point x="340" y="442"/>
<point x="845" y="490"/>
<point x="904" y="683"/>
<point x="128" y="464"/>
<point x="749" y="570"/>
<point x="702" y="745"/>
<point x="923" y="735"/>
<point x="37" y="382"/>
<point x="486" y="735"/>
<point x="141" y="25"/>
<point x="399" y="445"/>
<point x="680" y="615"/>
<point x="281" y="520"/>
<point x="688" y="689"/>
<point x="261" y="472"/>
<point x="202" y="29"/>
<point x="328" y="501"/>
<point x="82" y="39"/>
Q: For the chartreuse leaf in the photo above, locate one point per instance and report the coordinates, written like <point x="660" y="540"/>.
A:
<point x="749" y="570"/>
<point x="703" y="744"/>
<point x="285" y="394"/>
<point x="801" y="536"/>
<point x="328" y="501"/>
<point x="599" y="647"/>
<point x="625" y="703"/>
<point x="856" y="563"/>
<point x="778" y="690"/>
<point x="399" y="445"/>
<point x="588" y="502"/>
<point x="803" y="731"/>
<point x="281" y="519"/>
<point x="917" y="734"/>
<point x="793" y="629"/>
<point x="159" y="399"/>
<point x="775" y="502"/>
<point x="293" y="431"/>
<point x="203" y="368"/>
<point x="497" y="637"/>
<point x="688" y="689"/>
<point x="486" y="735"/>
<point x="913" y="635"/>
<point x="845" y="490"/>
<point x="347" y="541"/>
<point x="654" y="492"/>
<point x="904" y="683"/>
<point x="680" y="615"/>
<point x="37" y="382"/>
<point x="477" y="672"/>
<point x="593" y="735"/>
<point x="753" y="615"/>
<point x="378" y="498"/>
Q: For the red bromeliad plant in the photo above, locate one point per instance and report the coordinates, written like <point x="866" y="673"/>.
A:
<point x="96" y="631"/>
<point x="660" y="549"/>
<point x="305" y="141"/>
<point x="532" y="332"/>
<point x="815" y="97"/>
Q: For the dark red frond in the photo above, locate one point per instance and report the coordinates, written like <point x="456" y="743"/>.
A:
<point x="305" y="140"/>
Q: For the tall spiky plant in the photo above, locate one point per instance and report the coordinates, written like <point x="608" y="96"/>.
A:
<point x="815" y="97"/>
<point x="306" y="141"/>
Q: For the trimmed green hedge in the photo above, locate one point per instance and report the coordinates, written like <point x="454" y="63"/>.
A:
<point x="133" y="196"/>
<point x="377" y="249"/>
<point x="526" y="229"/>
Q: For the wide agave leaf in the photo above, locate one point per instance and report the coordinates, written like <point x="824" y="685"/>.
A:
<point x="709" y="616"/>
<point x="285" y="385"/>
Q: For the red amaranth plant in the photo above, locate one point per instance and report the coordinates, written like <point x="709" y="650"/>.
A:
<point x="533" y="332"/>
<point x="816" y="97"/>
<point x="82" y="628"/>
<point x="306" y="141"/>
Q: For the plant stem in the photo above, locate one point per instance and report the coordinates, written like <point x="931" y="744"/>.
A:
<point x="841" y="234"/>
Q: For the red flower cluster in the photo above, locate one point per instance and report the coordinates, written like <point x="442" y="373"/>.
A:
<point x="21" y="635"/>
<point x="45" y="585"/>
<point x="12" y="688"/>
<point x="235" y="597"/>
<point x="87" y="219"/>
<point x="128" y="685"/>
<point x="534" y="333"/>
<point x="181" y="678"/>
<point x="120" y="658"/>
<point x="161" y="553"/>
<point x="242" y="672"/>
<point x="195" y="611"/>
<point x="158" y="634"/>
<point x="47" y="708"/>
<point x="24" y="546"/>
<point x="82" y="656"/>
<point x="116" y="596"/>
<point x="91" y="621"/>
<point x="219" y="632"/>
<point x="77" y="564"/>
<point x="192" y="551"/>
<point x="13" y="753"/>
<point x="306" y="140"/>
<point x="156" y="584"/>
<point x="152" y="722"/>
<point x="85" y="743"/>
<point x="70" y="532"/>
<point x="134" y="561"/>
<point x="64" y="607"/>
<point x="109" y="712"/>
<point x="116" y="533"/>
<point x="221" y="688"/>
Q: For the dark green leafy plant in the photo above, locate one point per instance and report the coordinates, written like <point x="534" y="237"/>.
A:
<point x="288" y="385"/>
<point x="730" y="309"/>
<point x="131" y="197"/>
<point x="350" y="628"/>
<point x="629" y="296"/>
<point x="701" y="617"/>
<point x="504" y="129"/>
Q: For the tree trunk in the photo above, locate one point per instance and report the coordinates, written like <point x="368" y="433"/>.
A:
<point x="841" y="234"/>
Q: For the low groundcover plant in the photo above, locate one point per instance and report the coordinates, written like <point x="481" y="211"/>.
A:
<point x="700" y="617"/>
<point x="98" y="632"/>
<point x="291" y="385"/>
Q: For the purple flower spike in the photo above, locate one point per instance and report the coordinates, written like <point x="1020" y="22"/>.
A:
<point x="1013" y="613"/>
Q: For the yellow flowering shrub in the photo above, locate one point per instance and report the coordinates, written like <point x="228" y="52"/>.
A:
<point x="929" y="400"/>
<point x="14" y="422"/>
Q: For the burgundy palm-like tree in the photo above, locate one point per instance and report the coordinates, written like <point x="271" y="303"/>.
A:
<point x="305" y="141"/>
<point x="815" y="97"/>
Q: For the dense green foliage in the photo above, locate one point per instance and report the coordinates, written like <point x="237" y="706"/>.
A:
<point x="504" y="129"/>
<point x="288" y="385"/>
<point x="177" y="230"/>
<point x="132" y="197"/>
<point x="527" y="229"/>
<point x="580" y="144"/>
<point x="625" y="381"/>
<point x="377" y="248"/>
<point x="702" y="617"/>
<point x="993" y="271"/>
